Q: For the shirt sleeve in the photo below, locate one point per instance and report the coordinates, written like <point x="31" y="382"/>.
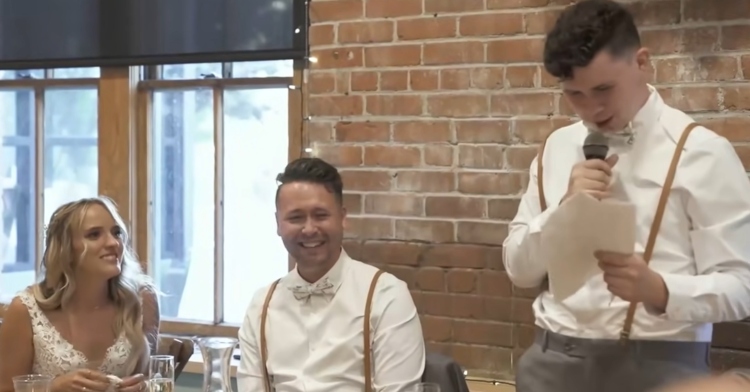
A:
<point x="398" y="351"/>
<point x="718" y="205"/>
<point x="521" y="257"/>
<point x="250" y="369"/>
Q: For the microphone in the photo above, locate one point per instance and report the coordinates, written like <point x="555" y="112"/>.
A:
<point x="596" y="146"/>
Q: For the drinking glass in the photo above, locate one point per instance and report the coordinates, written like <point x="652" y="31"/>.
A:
<point x="426" y="387"/>
<point x="32" y="383"/>
<point x="161" y="373"/>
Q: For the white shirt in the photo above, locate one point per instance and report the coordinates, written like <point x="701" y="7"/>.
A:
<point x="316" y="344"/>
<point x="703" y="247"/>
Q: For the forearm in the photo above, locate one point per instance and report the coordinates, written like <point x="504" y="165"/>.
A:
<point x="521" y="251"/>
<point x="711" y="298"/>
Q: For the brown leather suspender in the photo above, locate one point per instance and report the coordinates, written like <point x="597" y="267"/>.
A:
<point x="365" y="334"/>
<point x="655" y="225"/>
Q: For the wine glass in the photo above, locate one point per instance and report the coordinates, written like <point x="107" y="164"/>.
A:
<point x="426" y="387"/>
<point x="161" y="373"/>
<point x="32" y="383"/>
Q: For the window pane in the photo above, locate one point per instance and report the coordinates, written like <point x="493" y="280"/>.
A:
<point x="17" y="238"/>
<point x="256" y="141"/>
<point x="70" y="147"/>
<point x="70" y="73"/>
<point x="24" y="74"/>
<point x="191" y="71"/>
<point x="263" y="69"/>
<point x="183" y="199"/>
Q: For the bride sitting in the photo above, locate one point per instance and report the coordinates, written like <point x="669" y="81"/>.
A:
<point x="93" y="314"/>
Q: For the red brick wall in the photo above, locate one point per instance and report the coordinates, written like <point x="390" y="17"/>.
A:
<point x="433" y="109"/>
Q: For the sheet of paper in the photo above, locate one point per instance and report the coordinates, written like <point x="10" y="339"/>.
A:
<point x="578" y="228"/>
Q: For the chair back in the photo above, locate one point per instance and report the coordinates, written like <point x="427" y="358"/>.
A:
<point x="444" y="371"/>
<point x="180" y="348"/>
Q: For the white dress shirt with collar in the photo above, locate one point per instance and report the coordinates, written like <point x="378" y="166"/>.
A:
<point x="315" y="342"/>
<point x="702" y="250"/>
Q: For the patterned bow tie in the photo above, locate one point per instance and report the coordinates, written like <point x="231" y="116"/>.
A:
<point x="305" y="291"/>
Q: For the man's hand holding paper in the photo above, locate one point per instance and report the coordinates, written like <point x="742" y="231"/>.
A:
<point x="629" y="277"/>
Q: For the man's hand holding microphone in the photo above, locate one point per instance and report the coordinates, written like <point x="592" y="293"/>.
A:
<point x="626" y="275"/>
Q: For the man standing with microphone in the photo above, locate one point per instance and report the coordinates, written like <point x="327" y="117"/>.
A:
<point x="691" y="265"/>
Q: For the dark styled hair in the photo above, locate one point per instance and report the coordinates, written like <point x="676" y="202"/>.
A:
<point x="315" y="171"/>
<point x="585" y="29"/>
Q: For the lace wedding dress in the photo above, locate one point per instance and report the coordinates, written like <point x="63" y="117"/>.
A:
<point x="54" y="356"/>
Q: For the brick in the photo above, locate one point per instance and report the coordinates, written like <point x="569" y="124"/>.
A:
<point x="394" y="105"/>
<point x="516" y="50"/>
<point x="393" y="56"/>
<point x="362" y="131"/>
<point x="365" y="32"/>
<point x="335" y="105"/>
<point x="458" y="105"/>
<point x="394" y="204"/>
<point x="655" y="13"/>
<point x="540" y="22"/>
<point x="696" y="69"/>
<point x="438" y="155"/>
<point x="394" y="80"/>
<point x="369" y="228"/>
<point x="321" y="83"/>
<point x="391" y="9"/>
<point x="455" y="207"/>
<point x="425" y="230"/>
<point x="392" y="156"/>
<point x="698" y="10"/>
<point x="338" y="58"/>
<point x="453" y="53"/>
<point x="335" y="10"/>
<point x="483" y="131"/>
<point x="425" y="181"/>
<point x="455" y="79"/>
<point x="434" y="110"/>
<point x="515" y="4"/>
<point x="490" y="24"/>
<point x="422" y="131"/>
<point x="364" y="81"/>
<point x="438" y="6"/>
<point x="322" y="34"/>
<point x="366" y="181"/>
<point x="735" y="37"/>
<point x="426" y="28"/>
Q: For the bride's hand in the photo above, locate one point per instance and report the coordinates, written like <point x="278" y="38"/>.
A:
<point x="135" y="383"/>
<point x="81" y="380"/>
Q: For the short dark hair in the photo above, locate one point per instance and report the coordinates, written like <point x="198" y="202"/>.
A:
<point x="585" y="29"/>
<point x="315" y="171"/>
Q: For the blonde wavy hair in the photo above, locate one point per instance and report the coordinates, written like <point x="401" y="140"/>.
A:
<point x="59" y="263"/>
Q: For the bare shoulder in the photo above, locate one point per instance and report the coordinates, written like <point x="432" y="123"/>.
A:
<point x="16" y="321"/>
<point x="16" y="313"/>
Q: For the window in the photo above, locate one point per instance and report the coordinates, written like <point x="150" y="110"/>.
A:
<point x="219" y="135"/>
<point x="49" y="129"/>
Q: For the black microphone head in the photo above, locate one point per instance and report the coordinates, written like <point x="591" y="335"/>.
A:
<point x="596" y="146"/>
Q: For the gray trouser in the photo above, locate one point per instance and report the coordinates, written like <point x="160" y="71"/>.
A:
<point x="557" y="363"/>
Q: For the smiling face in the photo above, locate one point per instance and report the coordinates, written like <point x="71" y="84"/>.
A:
<point x="608" y="92"/>
<point x="310" y="222"/>
<point x="98" y="243"/>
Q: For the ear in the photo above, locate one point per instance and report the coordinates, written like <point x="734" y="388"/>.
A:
<point x="643" y="59"/>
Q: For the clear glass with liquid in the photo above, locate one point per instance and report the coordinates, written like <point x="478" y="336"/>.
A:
<point x="32" y="383"/>
<point x="161" y="373"/>
<point x="161" y="385"/>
